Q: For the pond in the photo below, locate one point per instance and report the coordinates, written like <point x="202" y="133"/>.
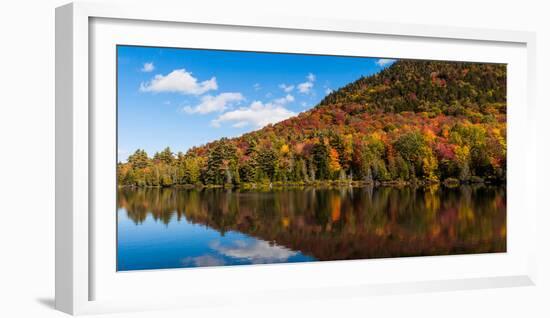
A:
<point x="176" y="228"/>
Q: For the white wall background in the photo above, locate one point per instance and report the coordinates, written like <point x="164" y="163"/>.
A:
<point x="27" y="158"/>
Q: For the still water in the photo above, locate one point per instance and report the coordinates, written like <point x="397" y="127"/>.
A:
<point x="173" y="228"/>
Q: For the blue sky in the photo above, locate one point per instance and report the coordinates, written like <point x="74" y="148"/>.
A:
<point x="185" y="97"/>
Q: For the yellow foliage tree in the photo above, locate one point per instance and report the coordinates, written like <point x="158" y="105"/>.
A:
<point x="334" y="163"/>
<point x="429" y="166"/>
<point x="285" y="149"/>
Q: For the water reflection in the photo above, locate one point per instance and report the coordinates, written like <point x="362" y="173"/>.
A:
<point x="257" y="252"/>
<point x="166" y="228"/>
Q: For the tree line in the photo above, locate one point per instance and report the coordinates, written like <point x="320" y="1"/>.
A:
<point x="463" y="153"/>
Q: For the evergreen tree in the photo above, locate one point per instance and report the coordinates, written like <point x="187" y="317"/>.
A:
<point x="320" y="160"/>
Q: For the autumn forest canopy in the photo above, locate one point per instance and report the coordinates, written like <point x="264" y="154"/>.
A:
<point x="413" y="122"/>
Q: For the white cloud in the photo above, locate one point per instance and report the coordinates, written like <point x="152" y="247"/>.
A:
<point x="384" y="62"/>
<point x="257" y="114"/>
<point x="179" y="81"/>
<point x="305" y="87"/>
<point x="257" y="86"/>
<point x="257" y="252"/>
<point x="148" y="67"/>
<point x="284" y="100"/>
<point x="240" y="124"/>
<point x="286" y="88"/>
<point x="217" y="103"/>
<point x="328" y="90"/>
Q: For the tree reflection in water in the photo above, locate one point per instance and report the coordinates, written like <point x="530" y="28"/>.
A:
<point x="332" y="223"/>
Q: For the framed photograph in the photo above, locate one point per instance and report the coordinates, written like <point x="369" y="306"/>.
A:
<point x="202" y="158"/>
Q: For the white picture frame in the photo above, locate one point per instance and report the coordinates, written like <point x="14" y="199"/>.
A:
<point x="77" y="166"/>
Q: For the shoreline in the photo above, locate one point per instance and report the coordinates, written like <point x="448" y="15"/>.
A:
<point x="329" y="184"/>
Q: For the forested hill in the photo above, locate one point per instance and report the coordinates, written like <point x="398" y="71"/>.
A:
<point x="415" y="121"/>
<point x="433" y="88"/>
<point x="430" y="86"/>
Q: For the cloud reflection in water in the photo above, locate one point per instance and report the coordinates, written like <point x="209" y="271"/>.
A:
<point x="256" y="251"/>
<point x="201" y="261"/>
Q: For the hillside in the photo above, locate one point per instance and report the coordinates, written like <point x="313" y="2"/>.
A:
<point x="415" y="121"/>
<point x="427" y="86"/>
